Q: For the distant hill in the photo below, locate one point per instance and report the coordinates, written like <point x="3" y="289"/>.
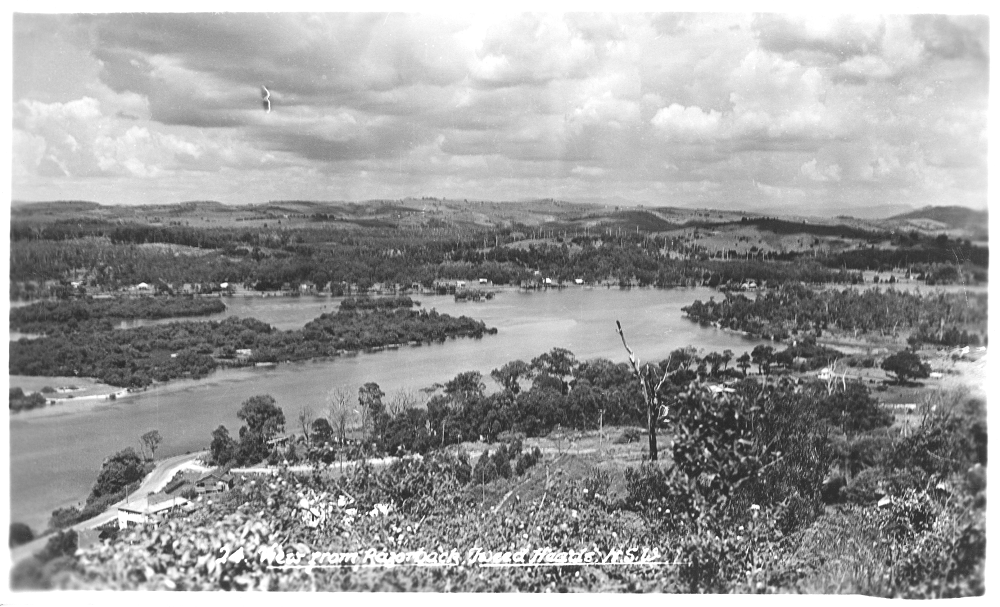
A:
<point x="954" y="217"/>
<point x="55" y="206"/>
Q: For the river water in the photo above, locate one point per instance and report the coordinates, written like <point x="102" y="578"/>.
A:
<point x="55" y="458"/>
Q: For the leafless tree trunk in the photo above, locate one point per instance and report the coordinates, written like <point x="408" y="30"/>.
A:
<point x="646" y="376"/>
<point x="340" y="411"/>
<point x="400" y="401"/>
<point x="306" y="419"/>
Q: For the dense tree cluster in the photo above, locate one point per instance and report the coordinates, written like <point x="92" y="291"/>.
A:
<point x="19" y="401"/>
<point x="136" y="357"/>
<point x="263" y="420"/>
<point x="115" y="255"/>
<point x="556" y="391"/>
<point x="66" y="316"/>
<point x="796" y="309"/>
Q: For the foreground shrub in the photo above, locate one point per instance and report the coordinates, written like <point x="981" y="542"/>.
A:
<point x="872" y="484"/>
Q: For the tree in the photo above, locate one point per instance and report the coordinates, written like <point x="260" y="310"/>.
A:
<point x="321" y="430"/>
<point x="20" y="534"/>
<point x="262" y="417"/>
<point x="906" y="365"/>
<point x="340" y="411"/>
<point x="401" y="401"/>
<point x="118" y="471"/>
<point x="727" y="355"/>
<point x="63" y="543"/>
<point x="373" y="411"/>
<point x="763" y="356"/>
<point x="465" y="385"/>
<point x="306" y="418"/>
<point x="223" y="447"/>
<point x="558" y="362"/>
<point x="853" y="409"/>
<point x="151" y="440"/>
<point x="650" y="389"/>
<point x="509" y="374"/>
<point x="743" y="362"/>
<point x="714" y="359"/>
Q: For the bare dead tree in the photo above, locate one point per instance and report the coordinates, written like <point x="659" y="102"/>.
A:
<point x="341" y="411"/>
<point x="400" y="401"/>
<point x="647" y="377"/>
<point x="306" y="419"/>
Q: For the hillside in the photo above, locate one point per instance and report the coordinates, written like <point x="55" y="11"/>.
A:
<point x="961" y="222"/>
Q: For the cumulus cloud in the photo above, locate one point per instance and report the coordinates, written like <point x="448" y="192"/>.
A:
<point x="698" y="107"/>
<point x="687" y="123"/>
<point x="812" y="171"/>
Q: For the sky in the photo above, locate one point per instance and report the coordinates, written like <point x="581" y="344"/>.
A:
<point x="809" y="114"/>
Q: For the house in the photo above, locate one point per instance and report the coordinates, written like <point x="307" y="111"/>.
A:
<point x="825" y="373"/>
<point x="578" y="281"/>
<point x="548" y="281"/>
<point x="483" y="281"/>
<point x="148" y="510"/>
<point x="213" y="482"/>
<point x="142" y="287"/>
<point x="448" y="286"/>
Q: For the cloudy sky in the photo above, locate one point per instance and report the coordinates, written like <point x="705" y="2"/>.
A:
<point x="813" y="114"/>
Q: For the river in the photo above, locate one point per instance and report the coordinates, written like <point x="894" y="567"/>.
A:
<point x="55" y="457"/>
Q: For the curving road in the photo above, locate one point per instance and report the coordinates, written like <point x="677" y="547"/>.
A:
<point x="154" y="481"/>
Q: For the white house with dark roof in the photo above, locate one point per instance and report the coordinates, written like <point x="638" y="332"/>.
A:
<point x="149" y="509"/>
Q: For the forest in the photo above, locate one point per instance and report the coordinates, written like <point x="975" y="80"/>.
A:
<point x="67" y="316"/>
<point x="946" y="319"/>
<point x="136" y="357"/>
<point x="112" y="255"/>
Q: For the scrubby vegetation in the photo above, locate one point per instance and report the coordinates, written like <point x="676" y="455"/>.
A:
<point x="742" y="506"/>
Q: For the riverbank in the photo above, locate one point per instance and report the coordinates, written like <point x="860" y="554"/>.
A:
<point x="56" y="452"/>
<point x="155" y="481"/>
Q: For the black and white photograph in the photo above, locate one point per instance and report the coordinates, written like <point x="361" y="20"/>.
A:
<point x="454" y="301"/>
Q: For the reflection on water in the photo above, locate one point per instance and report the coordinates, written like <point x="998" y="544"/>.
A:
<point x="54" y="460"/>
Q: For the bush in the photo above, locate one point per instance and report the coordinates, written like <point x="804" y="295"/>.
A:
<point x="868" y="450"/>
<point x="944" y="443"/>
<point x="947" y="561"/>
<point x="872" y="484"/>
<point x="64" y="517"/>
<point x="597" y="486"/>
<point x="63" y="543"/>
<point x="501" y="461"/>
<point x="906" y="516"/>
<point x="485" y="470"/>
<point x="527" y="460"/>
<point x="20" y="534"/>
<point x="629" y="435"/>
